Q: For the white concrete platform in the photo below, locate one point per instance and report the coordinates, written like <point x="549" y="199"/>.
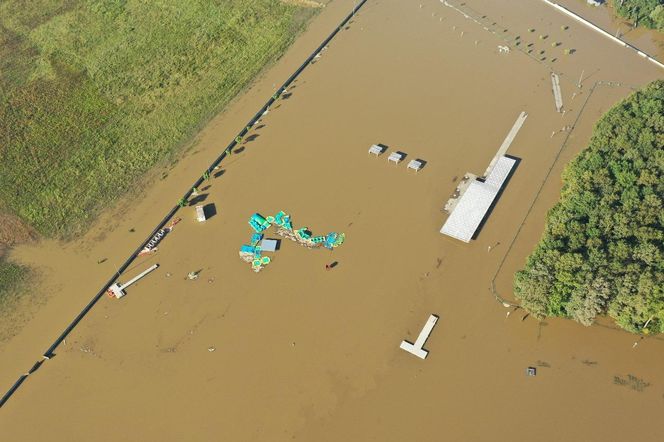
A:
<point x="416" y="348"/>
<point x="269" y="245"/>
<point x="507" y="142"/>
<point x="376" y="149"/>
<point x="415" y="165"/>
<point x="200" y="214"/>
<point x="476" y="201"/>
<point x="396" y="157"/>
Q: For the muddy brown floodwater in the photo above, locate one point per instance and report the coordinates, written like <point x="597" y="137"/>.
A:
<point x="301" y="353"/>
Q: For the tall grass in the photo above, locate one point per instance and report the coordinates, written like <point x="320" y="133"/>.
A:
<point x="94" y="93"/>
<point x="11" y="277"/>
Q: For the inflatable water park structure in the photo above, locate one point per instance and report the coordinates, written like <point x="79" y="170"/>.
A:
<point x="252" y="253"/>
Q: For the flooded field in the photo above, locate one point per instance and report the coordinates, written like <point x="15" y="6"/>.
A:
<point x="300" y="353"/>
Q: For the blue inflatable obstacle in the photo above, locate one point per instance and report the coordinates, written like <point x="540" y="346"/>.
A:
<point x="252" y="253"/>
<point x="248" y="249"/>
<point x="255" y="239"/>
<point x="283" y="220"/>
<point x="303" y="233"/>
<point x="317" y="239"/>
<point x="333" y="240"/>
<point x="258" y="223"/>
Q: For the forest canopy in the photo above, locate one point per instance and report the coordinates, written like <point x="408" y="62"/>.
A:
<point x="648" y="13"/>
<point x="603" y="246"/>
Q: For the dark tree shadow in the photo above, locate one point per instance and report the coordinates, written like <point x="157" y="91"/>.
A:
<point x="198" y="199"/>
<point x="220" y="173"/>
<point x="209" y="210"/>
<point x="239" y="149"/>
<point x="251" y="138"/>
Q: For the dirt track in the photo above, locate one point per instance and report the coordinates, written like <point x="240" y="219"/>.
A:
<point x="306" y="354"/>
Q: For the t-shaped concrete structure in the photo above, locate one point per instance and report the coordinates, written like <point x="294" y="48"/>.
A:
<point x="416" y="348"/>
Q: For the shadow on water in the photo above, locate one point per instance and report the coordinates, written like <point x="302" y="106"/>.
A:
<point x="198" y="199"/>
<point x="210" y="210"/>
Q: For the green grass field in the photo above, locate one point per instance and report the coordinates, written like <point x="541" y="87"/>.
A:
<point x="94" y="93"/>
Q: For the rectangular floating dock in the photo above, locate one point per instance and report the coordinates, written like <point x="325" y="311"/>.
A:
<point x="507" y="142"/>
<point x="117" y="290"/>
<point x="475" y="202"/>
<point x="474" y="196"/>
<point x="269" y="245"/>
<point x="200" y="214"/>
<point x="557" y="95"/>
<point x="416" y="348"/>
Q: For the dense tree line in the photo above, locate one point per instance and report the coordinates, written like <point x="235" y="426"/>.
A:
<point x="648" y="13"/>
<point x="602" y="251"/>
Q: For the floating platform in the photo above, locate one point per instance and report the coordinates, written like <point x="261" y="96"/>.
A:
<point x="416" y="348"/>
<point x="473" y="205"/>
<point x="474" y="196"/>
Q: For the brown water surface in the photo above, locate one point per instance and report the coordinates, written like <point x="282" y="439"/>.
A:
<point x="308" y="354"/>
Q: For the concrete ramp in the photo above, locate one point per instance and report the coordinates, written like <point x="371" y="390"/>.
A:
<point x="557" y="95"/>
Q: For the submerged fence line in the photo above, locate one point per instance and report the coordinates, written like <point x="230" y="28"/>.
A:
<point x="237" y="140"/>
<point x="594" y="27"/>
<point x="495" y="293"/>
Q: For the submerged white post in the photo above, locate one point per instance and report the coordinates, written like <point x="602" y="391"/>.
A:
<point x="416" y="348"/>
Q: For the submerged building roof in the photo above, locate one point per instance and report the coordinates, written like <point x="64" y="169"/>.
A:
<point x="476" y="201"/>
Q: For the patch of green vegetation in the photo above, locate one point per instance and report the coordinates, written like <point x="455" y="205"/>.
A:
<point x="11" y="277"/>
<point x="648" y="13"/>
<point x="602" y="251"/>
<point x="93" y="93"/>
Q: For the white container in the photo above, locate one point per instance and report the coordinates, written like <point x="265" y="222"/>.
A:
<point x="200" y="214"/>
